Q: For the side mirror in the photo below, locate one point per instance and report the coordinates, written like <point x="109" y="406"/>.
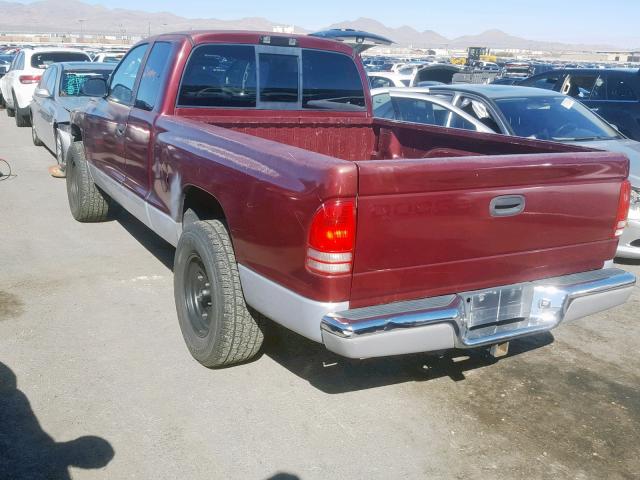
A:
<point x="94" y="87"/>
<point x="42" y="92"/>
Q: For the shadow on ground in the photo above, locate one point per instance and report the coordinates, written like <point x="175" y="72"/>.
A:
<point x="333" y="374"/>
<point x="28" y="452"/>
<point x="160" y="249"/>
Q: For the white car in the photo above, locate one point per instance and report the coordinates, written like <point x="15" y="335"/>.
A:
<point x="109" y="57"/>
<point x="385" y="80"/>
<point x="19" y="83"/>
<point x="409" y="105"/>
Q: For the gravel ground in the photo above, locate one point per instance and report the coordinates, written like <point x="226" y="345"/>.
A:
<point x="95" y="381"/>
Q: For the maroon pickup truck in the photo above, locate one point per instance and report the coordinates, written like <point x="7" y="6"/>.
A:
<point x="257" y="156"/>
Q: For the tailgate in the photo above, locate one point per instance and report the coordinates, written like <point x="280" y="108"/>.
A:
<point x="426" y="227"/>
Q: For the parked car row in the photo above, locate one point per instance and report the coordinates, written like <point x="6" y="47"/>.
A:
<point x="42" y="86"/>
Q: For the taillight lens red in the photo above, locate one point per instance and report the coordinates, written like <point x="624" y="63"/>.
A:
<point x="27" y="79"/>
<point x="332" y="237"/>
<point x="623" y="208"/>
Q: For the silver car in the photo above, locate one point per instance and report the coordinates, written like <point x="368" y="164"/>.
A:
<point x="58" y="93"/>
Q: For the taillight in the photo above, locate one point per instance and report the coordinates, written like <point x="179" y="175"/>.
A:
<point x="332" y="237"/>
<point x="623" y="208"/>
<point x="27" y="79"/>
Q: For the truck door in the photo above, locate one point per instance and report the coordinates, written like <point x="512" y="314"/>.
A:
<point x="139" y="134"/>
<point x="106" y="120"/>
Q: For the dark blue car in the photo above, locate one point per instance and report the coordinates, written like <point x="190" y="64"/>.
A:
<point x="613" y="93"/>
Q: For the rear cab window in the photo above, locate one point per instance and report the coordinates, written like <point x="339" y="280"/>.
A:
<point x="42" y="60"/>
<point x="264" y="77"/>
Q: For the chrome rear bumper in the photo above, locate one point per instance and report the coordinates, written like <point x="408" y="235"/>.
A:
<point x="473" y="319"/>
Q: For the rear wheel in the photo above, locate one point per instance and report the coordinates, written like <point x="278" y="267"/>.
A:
<point x="22" y="114"/>
<point x="216" y="323"/>
<point x="86" y="201"/>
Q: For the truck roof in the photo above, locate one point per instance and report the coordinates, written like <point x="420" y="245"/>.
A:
<point x="198" y="37"/>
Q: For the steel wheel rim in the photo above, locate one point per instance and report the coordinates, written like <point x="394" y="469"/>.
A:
<point x="73" y="185"/>
<point x="197" y="294"/>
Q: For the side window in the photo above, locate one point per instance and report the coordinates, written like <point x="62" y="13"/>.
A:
<point x="580" y="86"/>
<point x="45" y="79"/>
<point x="219" y="76"/>
<point x="619" y="88"/>
<point x="19" y="62"/>
<point x="331" y="81"/>
<point x="599" y="91"/>
<point x="547" y="82"/>
<point x="13" y="64"/>
<point x="459" y="122"/>
<point x="480" y="111"/>
<point x="153" y="75"/>
<point x="414" y="110"/>
<point x="124" y="78"/>
<point x="51" y="81"/>
<point x="380" y="82"/>
<point x="383" y="107"/>
<point x="279" y="78"/>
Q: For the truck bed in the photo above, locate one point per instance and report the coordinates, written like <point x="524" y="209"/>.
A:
<point x="423" y="193"/>
<point x="361" y="139"/>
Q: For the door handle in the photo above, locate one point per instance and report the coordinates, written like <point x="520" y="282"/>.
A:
<point x="120" y="128"/>
<point x="507" y="205"/>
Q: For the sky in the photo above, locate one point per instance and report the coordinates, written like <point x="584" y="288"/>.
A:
<point x="576" y="21"/>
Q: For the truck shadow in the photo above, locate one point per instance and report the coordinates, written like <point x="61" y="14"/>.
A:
<point x="160" y="249"/>
<point x="27" y="451"/>
<point x="333" y="374"/>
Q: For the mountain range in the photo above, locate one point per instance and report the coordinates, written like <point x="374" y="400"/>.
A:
<point x="73" y="16"/>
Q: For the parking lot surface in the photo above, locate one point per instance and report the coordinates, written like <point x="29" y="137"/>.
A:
<point x="90" y="347"/>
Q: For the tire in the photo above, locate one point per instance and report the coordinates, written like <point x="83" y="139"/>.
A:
<point x="216" y="323"/>
<point x="34" y="136"/>
<point x="59" y="150"/>
<point x="10" y="111"/>
<point x="86" y="201"/>
<point x="23" y="115"/>
<point x="3" y="104"/>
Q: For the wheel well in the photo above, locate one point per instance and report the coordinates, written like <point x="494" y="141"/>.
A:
<point x="205" y="205"/>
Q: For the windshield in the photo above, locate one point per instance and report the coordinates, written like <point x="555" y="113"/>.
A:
<point x="6" y="58"/>
<point x="71" y="83"/>
<point x="554" y="118"/>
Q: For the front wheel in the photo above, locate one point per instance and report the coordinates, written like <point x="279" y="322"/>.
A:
<point x="59" y="149"/>
<point x="86" y="202"/>
<point x="34" y="135"/>
<point x="216" y="323"/>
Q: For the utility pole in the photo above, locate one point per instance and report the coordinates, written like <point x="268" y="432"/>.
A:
<point x="82" y="20"/>
<point x="149" y="29"/>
